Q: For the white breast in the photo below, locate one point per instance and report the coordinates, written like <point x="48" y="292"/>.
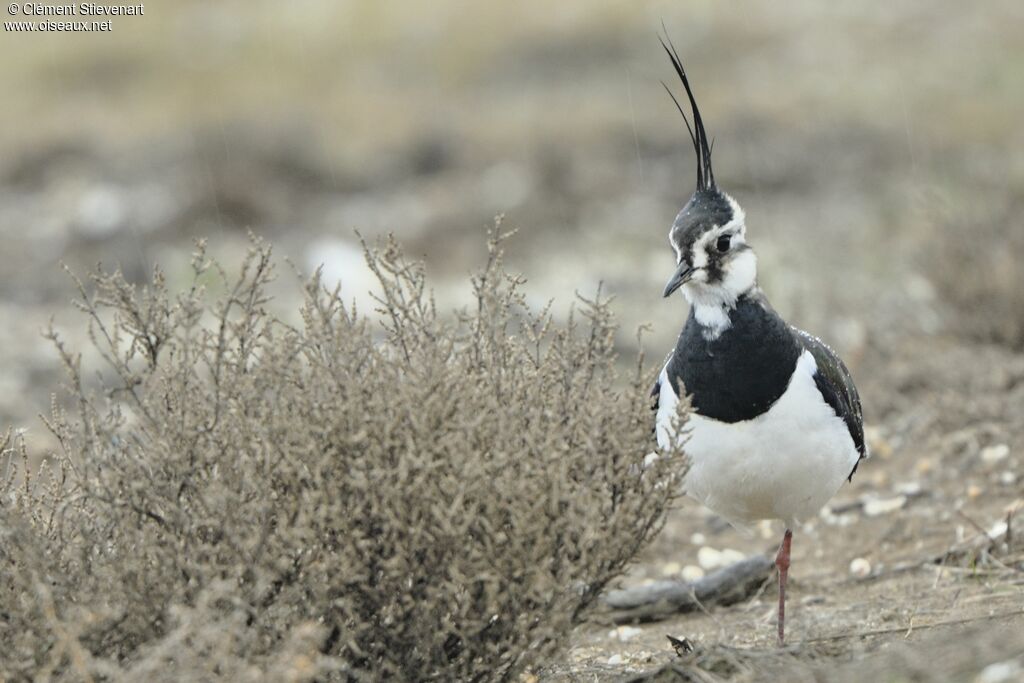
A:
<point x="784" y="464"/>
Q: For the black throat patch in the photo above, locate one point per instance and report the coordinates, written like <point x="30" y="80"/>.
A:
<point x="740" y="374"/>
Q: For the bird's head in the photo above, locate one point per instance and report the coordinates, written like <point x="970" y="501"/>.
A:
<point x="714" y="264"/>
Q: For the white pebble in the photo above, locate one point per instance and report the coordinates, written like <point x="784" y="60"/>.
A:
<point x="833" y="519"/>
<point x="698" y="539"/>
<point x="624" y="633"/>
<point x="881" y="506"/>
<point x="692" y="572"/>
<point x="615" y="660"/>
<point x="1008" y="478"/>
<point x="709" y="558"/>
<point x="860" y="567"/>
<point x="993" y="454"/>
<point x="730" y="556"/>
<point x="910" y="488"/>
<point x="997" y="530"/>
<point x="1001" y="672"/>
<point x="671" y="569"/>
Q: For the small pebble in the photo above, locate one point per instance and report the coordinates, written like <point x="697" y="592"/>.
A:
<point x="973" y="491"/>
<point x="832" y="519"/>
<point x="880" y="506"/>
<point x="709" y="558"/>
<point x="997" y="530"/>
<point x="624" y="633"/>
<point x="671" y="569"/>
<point x="909" y="488"/>
<point x="692" y="572"/>
<point x="1008" y="478"/>
<point x="860" y="567"/>
<point x="730" y="556"/>
<point x="993" y="454"/>
<point x="1001" y="672"/>
<point x="615" y="660"/>
<point x="698" y="539"/>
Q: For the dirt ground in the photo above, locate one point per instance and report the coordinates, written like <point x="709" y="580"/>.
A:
<point x="875" y="149"/>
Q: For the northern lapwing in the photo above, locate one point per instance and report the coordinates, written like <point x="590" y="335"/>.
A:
<point x="776" y="424"/>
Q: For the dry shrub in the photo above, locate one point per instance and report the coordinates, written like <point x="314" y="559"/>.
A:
<point x="975" y="257"/>
<point x="430" y="498"/>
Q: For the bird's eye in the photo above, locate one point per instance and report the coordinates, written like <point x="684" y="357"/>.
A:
<point x="723" y="243"/>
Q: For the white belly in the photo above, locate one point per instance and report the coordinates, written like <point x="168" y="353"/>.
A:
<point x="784" y="464"/>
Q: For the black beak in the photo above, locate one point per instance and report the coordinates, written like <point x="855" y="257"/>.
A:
<point x="679" y="278"/>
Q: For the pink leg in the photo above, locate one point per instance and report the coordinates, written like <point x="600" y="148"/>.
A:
<point x="782" y="562"/>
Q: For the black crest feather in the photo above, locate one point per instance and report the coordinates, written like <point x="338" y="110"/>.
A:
<point x="699" y="138"/>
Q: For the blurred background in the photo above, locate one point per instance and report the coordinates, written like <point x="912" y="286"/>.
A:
<point x="877" y="149"/>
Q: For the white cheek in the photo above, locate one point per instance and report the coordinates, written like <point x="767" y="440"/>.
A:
<point x="741" y="273"/>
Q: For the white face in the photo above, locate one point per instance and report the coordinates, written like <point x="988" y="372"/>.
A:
<point x="724" y="266"/>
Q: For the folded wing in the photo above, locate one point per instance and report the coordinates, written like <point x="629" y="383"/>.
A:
<point x="836" y="385"/>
